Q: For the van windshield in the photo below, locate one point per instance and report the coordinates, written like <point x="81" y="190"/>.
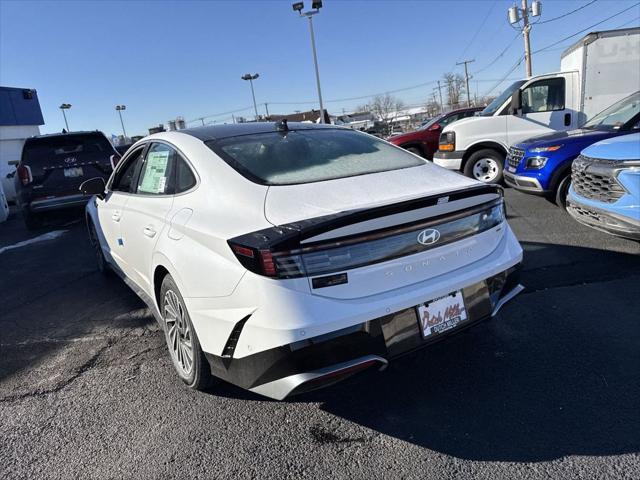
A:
<point x="310" y="155"/>
<point x="490" y="109"/>
<point x="616" y="115"/>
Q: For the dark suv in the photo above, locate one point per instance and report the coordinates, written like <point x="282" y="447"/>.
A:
<point x="52" y="168"/>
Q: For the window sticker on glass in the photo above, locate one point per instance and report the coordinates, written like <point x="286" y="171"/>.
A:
<point x="154" y="179"/>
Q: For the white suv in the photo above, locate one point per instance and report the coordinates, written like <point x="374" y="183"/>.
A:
<point x="283" y="257"/>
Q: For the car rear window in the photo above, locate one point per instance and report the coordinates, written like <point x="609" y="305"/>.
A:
<point x="310" y="155"/>
<point x="43" y="151"/>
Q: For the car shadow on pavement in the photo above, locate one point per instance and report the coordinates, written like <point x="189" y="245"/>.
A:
<point x="555" y="374"/>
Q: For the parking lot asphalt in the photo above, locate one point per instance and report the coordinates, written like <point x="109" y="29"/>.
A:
<point x="550" y="388"/>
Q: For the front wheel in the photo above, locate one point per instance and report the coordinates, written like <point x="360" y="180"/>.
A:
<point x="485" y="165"/>
<point x="184" y="347"/>
<point x="563" y="191"/>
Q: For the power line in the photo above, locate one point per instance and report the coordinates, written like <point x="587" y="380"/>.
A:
<point x="585" y="29"/>
<point x="511" y="43"/>
<point x="521" y="59"/>
<point x="567" y="14"/>
<point x="479" y="29"/>
<point x="219" y="114"/>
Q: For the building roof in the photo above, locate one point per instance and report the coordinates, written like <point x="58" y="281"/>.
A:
<point x="217" y="132"/>
<point x="19" y="106"/>
<point x="308" y="116"/>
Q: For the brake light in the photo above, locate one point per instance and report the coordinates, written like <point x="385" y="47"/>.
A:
<point x="24" y="174"/>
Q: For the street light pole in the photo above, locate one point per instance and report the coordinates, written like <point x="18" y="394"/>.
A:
<point x="251" y="78"/>
<point x="119" y="108"/>
<point x="316" y="5"/>
<point x="63" y="107"/>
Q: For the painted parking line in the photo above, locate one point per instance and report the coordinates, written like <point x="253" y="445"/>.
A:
<point x="41" y="238"/>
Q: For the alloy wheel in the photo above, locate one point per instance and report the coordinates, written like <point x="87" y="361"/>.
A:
<point x="178" y="332"/>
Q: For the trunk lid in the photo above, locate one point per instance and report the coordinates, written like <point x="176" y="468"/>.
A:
<point x="290" y="203"/>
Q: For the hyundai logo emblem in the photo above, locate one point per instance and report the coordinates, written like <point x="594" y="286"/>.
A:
<point x="428" y="236"/>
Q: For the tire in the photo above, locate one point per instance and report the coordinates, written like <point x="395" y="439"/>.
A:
<point x="31" y="220"/>
<point x="485" y="165"/>
<point x="101" y="261"/>
<point x="414" y="150"/>
<point x="178" y="333"/>
<point x="562" y="192"/>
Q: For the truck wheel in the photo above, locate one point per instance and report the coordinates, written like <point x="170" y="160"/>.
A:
<point x="31" y="220"/>
<point x="485" y="165"/>
<point x="563" y="191"/>
<point x="184" y="347"/>
<point x="414" y="150"/>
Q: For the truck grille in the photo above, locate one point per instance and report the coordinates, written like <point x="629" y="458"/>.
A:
<point x="595" y="180"/>
<point x="515" y="156"/>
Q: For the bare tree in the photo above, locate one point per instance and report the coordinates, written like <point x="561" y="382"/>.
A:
<point x="386" y="107"/>
<point x="454" y="85"/>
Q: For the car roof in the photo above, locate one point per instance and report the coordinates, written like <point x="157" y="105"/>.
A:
<point x="217" y="132"/>
<point x="67" y="134"/>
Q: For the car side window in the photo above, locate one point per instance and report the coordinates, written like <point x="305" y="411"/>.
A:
<point x="157" y="176"/>
<point x="543" y="96"/>
<point x="124" y="178"/>
<point x="447" y="120"/>
<point x="185" y="179"/>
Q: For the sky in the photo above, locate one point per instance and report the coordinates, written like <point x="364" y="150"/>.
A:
<point x="163" y="59"/>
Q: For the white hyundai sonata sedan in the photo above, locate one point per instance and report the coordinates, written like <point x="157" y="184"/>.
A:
<point x="284" y="257"/>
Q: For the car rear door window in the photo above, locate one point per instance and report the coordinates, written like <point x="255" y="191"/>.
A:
<point x="157" y="175"/>
<point x="126" y="174"/>
<point x="185" y="179"/>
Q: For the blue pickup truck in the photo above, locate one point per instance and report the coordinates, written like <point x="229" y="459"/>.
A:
<point x="542" y="165"/>
<point x="605" y="186"/>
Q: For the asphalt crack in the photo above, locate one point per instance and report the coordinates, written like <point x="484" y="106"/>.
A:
<point x="76" y="373"/>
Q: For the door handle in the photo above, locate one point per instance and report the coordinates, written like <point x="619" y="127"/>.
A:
<point x="149" y="232"/>
<point x="115" y="216"/>
<point x="567" y="119"/>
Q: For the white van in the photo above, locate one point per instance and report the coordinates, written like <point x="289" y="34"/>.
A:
<point x="597" y="71"/>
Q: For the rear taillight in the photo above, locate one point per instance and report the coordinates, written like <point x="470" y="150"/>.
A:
<point x="285" y="259"/>
<point x="24" y="174"/>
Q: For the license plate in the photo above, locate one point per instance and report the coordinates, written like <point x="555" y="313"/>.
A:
<point x="511" y="169"/>
<point x="73" y="172"/>
<point x="441" y="314"/>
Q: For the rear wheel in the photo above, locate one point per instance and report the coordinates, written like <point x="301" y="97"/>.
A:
<point x="563" y="191"/>
<point x="485" y="165"/>
<point x="184" y="347"/>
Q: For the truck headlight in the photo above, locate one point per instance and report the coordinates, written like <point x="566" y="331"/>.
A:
<point x="551" y="148"/>
<point x="536" y="163"/>
<point x="447" y="142"/>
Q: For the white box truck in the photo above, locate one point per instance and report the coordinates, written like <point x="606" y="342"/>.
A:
<point x="597" y="71"/>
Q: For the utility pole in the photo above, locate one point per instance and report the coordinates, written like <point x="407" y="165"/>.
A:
<point x="202" y="120"/>
<point x="63" y="107"/>
<point x="515" y="14"/>
<point x="466" y="76"/>
<point x="266" y="108"/>
<point x="119" y="109"/>
<point x="440" y="91"/>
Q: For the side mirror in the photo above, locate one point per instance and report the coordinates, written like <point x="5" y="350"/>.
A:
<point x="516" y="102"/>
<point x="13" y="163"/>
<point x="93" y="186"/>
<point x="436" y="127"/>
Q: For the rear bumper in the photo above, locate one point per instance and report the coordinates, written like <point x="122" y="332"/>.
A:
<point x="450" y="160"/>
<point x="319" y="361"/>
<point x="58" y="203"/>
<point x="524" y="184"/>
